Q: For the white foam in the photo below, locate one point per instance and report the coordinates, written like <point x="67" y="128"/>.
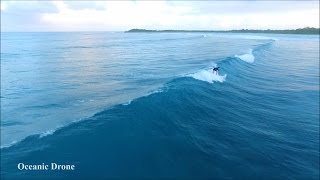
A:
<point x="249" y="57"/>
<point x="208" y="76"/>
<point x="46" y="133"/>
<point x="160" y="90"/>
<point x="127" y="103"/>
<point x="52" y="131"/>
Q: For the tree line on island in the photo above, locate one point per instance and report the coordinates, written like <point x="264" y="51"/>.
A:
<point x="306" y="30"/>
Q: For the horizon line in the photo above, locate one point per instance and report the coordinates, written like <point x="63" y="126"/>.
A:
<point x="167" y="30"/>
<point x="243" y="29"/>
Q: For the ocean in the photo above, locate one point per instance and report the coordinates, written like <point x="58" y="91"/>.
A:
<point x="147" y="105"/>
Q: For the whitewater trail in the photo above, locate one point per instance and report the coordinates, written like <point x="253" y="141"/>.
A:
<point x="208" y="76"/>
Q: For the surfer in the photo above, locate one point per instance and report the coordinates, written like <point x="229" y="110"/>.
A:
<point x="215" y="70"/>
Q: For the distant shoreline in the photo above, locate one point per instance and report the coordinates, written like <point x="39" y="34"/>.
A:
<point x="306" y="30"/>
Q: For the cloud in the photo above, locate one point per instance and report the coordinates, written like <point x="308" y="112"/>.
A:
<point x="117" y="15"/>
<point x="246" y="7"/>
<point x="3" y="5"/>
<point x="24" y="15"/>
<point x="276" y="20"/>
<point x="123" y="15"/>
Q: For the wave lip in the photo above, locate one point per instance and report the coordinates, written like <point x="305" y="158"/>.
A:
<point x="208" y="76"/>
<point x="8" y="145"/>
<point x="249" y="57"/>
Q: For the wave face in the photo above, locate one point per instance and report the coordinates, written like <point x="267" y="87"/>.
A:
<point x="156" y="110"/>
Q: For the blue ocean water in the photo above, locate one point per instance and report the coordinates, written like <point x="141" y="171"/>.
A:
<point x="147" y="105"/>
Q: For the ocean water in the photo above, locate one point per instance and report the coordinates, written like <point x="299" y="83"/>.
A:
<point x="147" y="105"/>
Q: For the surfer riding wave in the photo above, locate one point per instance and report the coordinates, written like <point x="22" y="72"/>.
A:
<point x="215" y="70"/>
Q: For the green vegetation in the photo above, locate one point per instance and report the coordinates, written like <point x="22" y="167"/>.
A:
<point x="306" y="30"/>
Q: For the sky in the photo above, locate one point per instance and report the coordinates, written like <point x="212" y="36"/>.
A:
<point x="187" y="15"/>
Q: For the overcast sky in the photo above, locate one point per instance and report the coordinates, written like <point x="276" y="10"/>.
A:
<point x="124" y="15"/>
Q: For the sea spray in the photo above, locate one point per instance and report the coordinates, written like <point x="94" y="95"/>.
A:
<point x="249" y="57"/>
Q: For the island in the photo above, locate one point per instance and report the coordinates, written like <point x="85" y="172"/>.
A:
<point x="306" y="30"/>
